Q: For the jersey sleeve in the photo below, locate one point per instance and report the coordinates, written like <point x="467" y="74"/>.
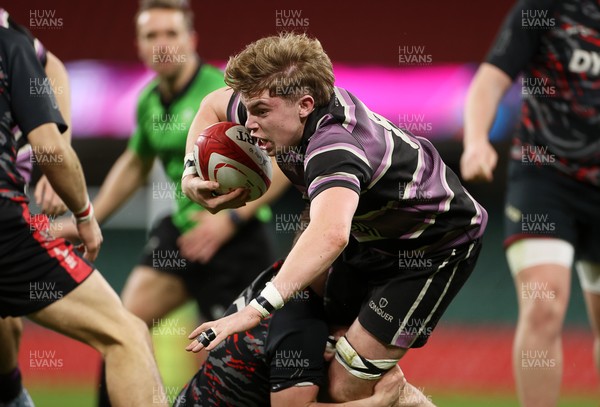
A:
<point x="335" y="159"/>
<point x="33" y="101"/>
<point x="518" y="38"/>
<point x="40" y="50"/>
<point x="296" y="351"/>
<point x="236" y="111"/>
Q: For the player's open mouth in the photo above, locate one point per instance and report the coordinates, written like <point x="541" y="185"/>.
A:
<point x="264" y="144"/>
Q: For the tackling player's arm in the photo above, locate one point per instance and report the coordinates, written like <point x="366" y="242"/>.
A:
<point x="386" y="394"/>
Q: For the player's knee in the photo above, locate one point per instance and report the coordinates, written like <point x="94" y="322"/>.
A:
<point x="544" y="317"/>
<point x="369" y="370"/>
<point x="126" y="330"/>
<point x="140" y="312"/>
<point x="138" y="330"/>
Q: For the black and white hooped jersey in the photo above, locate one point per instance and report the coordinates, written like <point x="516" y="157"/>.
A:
<point x="409" y="199"/>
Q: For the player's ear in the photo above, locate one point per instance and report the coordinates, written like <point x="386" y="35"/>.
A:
<point x="307" y="105"/>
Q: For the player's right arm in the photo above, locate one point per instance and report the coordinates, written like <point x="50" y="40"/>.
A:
<point x="485" y="93"/>
<point x="128" y="173"/>
<point x="67" y="179"/>
<point x="45" y="197"/>
<point x="512" y="50"/>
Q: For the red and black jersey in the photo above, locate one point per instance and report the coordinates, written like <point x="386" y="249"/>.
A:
<point x="556" y="46"/>
<point x="285" y="350"/>
<point x="26" y="101"/>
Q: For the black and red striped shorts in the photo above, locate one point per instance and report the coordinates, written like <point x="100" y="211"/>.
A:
<point x="35" y="268"/>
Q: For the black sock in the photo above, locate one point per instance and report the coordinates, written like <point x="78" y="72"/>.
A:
<point x="103" y="400"/>
<point x="10" y="385"/>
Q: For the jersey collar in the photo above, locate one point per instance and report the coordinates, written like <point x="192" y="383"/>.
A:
<point x="183" y="91"/>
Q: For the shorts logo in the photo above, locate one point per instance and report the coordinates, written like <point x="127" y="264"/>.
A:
<point x="379" y="309"/>
<point x="71" y="262"/>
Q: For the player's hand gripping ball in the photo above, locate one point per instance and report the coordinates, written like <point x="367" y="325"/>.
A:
<point x="226" y="153"/>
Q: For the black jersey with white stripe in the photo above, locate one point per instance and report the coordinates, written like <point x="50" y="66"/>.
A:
<point x="409" y="198"/>
<point x="556" y="46"/>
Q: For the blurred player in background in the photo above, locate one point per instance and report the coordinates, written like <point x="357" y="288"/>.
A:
<point x="213" y="257"/>
<point x="552" y="211"/>
<point x="282" y="359"/>
<point x="375" y="193"/>
<point x="44" y="277"/>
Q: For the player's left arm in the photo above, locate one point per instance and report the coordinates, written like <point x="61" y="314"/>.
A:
<point x="213" y="109"/>
<point x="321" y="243"/>
<point x="45" y="196"/>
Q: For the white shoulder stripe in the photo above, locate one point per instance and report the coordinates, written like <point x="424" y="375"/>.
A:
<point x="387" y="159"/>
<point x="340" y="99"/>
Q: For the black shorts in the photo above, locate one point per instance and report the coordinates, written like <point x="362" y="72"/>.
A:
<point x="541" y="202"/>
<point x="216" y="284"/>
<point x="35" y="269"/>
<point x="399" y="300"/>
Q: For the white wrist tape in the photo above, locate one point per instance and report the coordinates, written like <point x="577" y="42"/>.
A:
<point x="189" y="171"/>
<point x="263" y="311"/>
<point x="271" y="294"/>
<point x="189" y="165"/>
<point x="188" y="157"/>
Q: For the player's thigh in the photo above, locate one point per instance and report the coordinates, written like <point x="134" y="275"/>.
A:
<point x="150" y="293"/>
<point x="10" y="334"/>
<point x="539" y="204"/>
<point x="93" y="314"/>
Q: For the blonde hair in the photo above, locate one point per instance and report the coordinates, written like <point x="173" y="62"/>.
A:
<point x="288" y="65"/>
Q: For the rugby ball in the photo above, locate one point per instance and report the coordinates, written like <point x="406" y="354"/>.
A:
<point x="225" y="152"/>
